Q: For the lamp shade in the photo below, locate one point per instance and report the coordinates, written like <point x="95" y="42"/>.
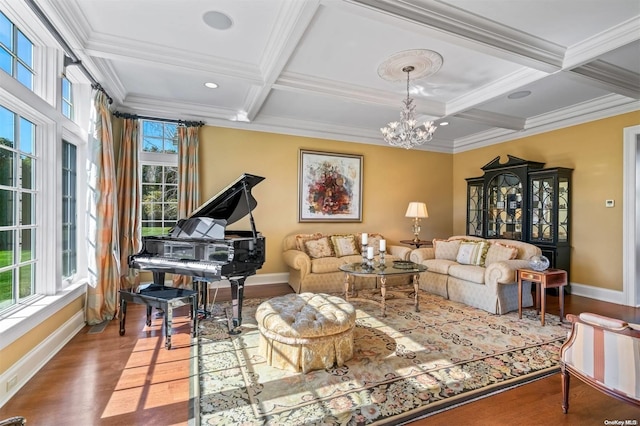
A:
<point x="417" y="209"/>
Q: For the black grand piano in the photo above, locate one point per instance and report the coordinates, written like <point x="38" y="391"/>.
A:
<point x="202" y="247"/>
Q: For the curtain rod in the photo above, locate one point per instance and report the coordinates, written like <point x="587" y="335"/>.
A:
<point x="166" y="120"/>
<point x="74" y="60"/>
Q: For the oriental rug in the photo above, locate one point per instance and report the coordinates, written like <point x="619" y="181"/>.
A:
<point x="405" y="366"/>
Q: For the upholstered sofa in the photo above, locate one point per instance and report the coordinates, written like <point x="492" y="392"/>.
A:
<point x="314" y="260"/>
<point x="476" y="272"/>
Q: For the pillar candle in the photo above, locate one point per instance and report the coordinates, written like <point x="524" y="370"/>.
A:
<point x="383" y="245"/>
<point x="365" y="238"/>
<point x="370" y="252"/>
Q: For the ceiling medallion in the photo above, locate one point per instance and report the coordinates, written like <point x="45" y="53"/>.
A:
<point x="422" y="63"/>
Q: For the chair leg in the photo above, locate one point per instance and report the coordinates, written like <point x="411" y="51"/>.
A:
<point x="565" y="389"/>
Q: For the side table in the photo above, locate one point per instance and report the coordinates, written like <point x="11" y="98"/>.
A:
<point x="418" y="244"/>
<point x="549" y="278"/>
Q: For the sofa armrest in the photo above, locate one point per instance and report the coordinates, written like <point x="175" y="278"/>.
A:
<point x="419" y="255"/>
<point x="298" y="260"/>
<point x="400" y="251"/>
<point x="504" y="272"/>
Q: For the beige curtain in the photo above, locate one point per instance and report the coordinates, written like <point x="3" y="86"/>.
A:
<point x="129" y="201"/>
<point x="102" y="232"/>
<point x="188" y="181"/>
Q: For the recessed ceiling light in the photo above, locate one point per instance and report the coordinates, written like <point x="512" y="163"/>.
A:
<point x="211" y="85"/>
<point x="520" y="94"/>
<point x="217" y="20"/>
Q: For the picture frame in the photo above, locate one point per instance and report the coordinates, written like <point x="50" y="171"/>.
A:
<point x="329" y="187"/>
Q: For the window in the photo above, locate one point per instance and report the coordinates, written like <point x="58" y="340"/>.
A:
<point x="67" y="98"/>
<point x="17" y="208"/>
<point x="69" y="210"/>
<point x="16" y="52"/>
<point x="159" y="177"/>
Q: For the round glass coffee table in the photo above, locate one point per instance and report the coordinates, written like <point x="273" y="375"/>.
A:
<point x="382" y="272"/>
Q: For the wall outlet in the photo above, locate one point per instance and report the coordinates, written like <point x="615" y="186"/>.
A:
<point x="12" y="382"/>
<point x="609" y="203"/>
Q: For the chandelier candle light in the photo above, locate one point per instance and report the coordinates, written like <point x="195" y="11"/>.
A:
<point x="405" y="133"/>
<point x="417" y="211"/>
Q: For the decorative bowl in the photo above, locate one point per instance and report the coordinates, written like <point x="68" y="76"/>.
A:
<point x="403" y="264"/>
<point x="539" y="263"/>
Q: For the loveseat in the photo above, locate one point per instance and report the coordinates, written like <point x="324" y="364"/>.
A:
<point x="314" y="260"/>
<point x="477" y="272"/>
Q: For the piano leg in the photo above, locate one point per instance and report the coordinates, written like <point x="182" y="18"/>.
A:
<point x="237" y="292"/>
<point x="158" y="278"/>
<point x="202" y="287"/>
<point x="168" y="323"/>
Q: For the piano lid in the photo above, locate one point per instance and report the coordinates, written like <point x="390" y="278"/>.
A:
<point x="230" y="204"/>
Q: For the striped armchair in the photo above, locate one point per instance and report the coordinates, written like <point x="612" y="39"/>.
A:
<point x="604" y="353"/>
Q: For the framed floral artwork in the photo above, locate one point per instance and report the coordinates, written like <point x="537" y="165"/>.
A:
<point x="329" y="187"/>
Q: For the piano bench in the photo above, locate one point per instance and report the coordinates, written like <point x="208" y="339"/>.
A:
<point x="164" y="298"/>
<point x="306" y="331"/>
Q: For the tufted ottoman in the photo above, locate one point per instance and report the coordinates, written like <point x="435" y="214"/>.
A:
<point x="306" y="331"/>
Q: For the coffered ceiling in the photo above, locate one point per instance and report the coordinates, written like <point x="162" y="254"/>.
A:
<point x="310" y="67"/>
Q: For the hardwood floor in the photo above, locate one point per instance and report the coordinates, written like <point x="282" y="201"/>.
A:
<point x="106" y="379"/>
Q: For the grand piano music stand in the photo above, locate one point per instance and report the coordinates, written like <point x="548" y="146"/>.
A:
<point x="164" y="298"/>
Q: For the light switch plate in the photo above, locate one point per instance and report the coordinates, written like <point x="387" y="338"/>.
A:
<point x="609" y="203"/>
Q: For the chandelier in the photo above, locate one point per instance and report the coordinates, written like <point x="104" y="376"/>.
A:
<point x="406" y="133"/>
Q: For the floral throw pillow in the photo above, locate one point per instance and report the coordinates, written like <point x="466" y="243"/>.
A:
<point x="498" y="252"/>
<point x="344" y="245"/>
<point x="303" y="238"/>
<point x="319" y="248"/>
<point x="446" y="249"/>
<point x="472" y="253"/>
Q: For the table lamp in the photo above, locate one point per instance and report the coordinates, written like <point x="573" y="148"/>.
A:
<point x="417" y="211"/>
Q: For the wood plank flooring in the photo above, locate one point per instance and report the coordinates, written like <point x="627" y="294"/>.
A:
<point x="106" y="379"/>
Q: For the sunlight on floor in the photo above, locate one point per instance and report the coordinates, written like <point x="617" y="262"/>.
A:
<point x="153" y="376"/>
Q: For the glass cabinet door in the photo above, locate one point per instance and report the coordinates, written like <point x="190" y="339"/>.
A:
<point x="550" y="210"/>
<point x="475" y="200"/>
<point x="504" y="207"/>
<point x="563" y="209"/>
<point x="542" y="208"/>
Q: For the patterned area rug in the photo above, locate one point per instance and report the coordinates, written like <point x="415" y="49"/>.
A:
<point x="405" y="366"/>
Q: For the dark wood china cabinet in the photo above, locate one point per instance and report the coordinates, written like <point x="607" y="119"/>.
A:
<point x="522" y="200"/>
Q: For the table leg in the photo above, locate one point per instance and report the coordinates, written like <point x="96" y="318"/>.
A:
<point x="561" y="298"/>
<point x="519" y="296"/>
<point x="383" y="292"/>
<point x="416" y="287"/>
<point x="543" y="302"/>
<point x="346" y="287"/>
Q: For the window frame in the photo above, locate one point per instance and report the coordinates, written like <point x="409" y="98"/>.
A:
<point x="41" y="106"/>
<point x="14" y="54"/>
<point x="148" y="158"/>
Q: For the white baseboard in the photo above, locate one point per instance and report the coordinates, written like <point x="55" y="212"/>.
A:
<point x="260" y="279"/>
<point x="603" y="294"/>
<point x="12" y="380"/>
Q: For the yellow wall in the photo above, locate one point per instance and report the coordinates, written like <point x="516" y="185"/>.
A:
<point x="595" y="151"/>
<point x="392" y="177"/>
